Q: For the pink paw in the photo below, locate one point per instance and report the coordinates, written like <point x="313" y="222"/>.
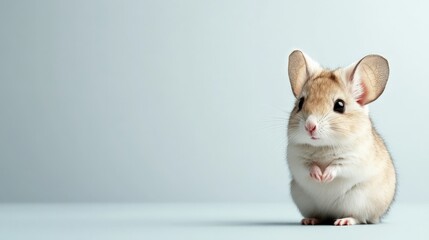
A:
<point x="310" y="221"/>
<point x="345" y="221"/>
<point x="329" y="174"/>
<point x="316" y="173"/>
<point x="326" y="176"/>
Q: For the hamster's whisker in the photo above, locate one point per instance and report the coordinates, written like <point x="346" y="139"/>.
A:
<point x="324" y="117"/>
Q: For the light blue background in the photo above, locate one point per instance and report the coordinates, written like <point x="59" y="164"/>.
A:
<point x="130" y="101"/>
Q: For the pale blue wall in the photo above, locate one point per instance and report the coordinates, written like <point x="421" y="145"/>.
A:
<point x="186" y="100"/>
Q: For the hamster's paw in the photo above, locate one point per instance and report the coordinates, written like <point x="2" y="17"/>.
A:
<point x="329" y="174"/>
<point x="316" y="173"/>
<point x="345" y="221"/>
<point x="310" y="221"/>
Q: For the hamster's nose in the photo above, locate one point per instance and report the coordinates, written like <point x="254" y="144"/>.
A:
<point x="310" y="126"/>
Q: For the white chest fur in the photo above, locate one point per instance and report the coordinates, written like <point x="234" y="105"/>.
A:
<point x="351" y="162"/>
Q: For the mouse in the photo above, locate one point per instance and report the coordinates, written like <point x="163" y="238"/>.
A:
<point x="341" y="170"/>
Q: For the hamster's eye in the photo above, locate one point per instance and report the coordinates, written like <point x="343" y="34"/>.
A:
<point x="301" y="102"/>
<point x="339" y="106"/>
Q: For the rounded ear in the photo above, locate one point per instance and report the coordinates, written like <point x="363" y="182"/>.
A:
<point x="300" y="68"/>
<point x="368" y="78"/>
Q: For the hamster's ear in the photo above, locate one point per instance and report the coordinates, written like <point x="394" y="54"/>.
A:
<point x="300" y="68"/>
<point x="367" y="78"/>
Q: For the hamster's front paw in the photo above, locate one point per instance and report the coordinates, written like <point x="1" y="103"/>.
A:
<point x="326" y="176"/>
<point x="329" y="174"/>
<point x="316" y="173"/>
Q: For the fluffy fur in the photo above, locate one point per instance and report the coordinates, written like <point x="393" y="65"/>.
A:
<point x="342" y="171"/>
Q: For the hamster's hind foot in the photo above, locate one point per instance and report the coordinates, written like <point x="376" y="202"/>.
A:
<point x="345" y="221"/>
<point x="310" y="221"/>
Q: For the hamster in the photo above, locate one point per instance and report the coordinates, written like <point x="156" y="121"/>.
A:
<point x="342" y="172"/>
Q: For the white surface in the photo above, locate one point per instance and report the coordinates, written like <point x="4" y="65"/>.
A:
<point x="193" y="221"/>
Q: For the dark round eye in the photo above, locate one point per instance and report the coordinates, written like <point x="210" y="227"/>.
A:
<point x="339" y="106"/>
<point x="301" y="102"/>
